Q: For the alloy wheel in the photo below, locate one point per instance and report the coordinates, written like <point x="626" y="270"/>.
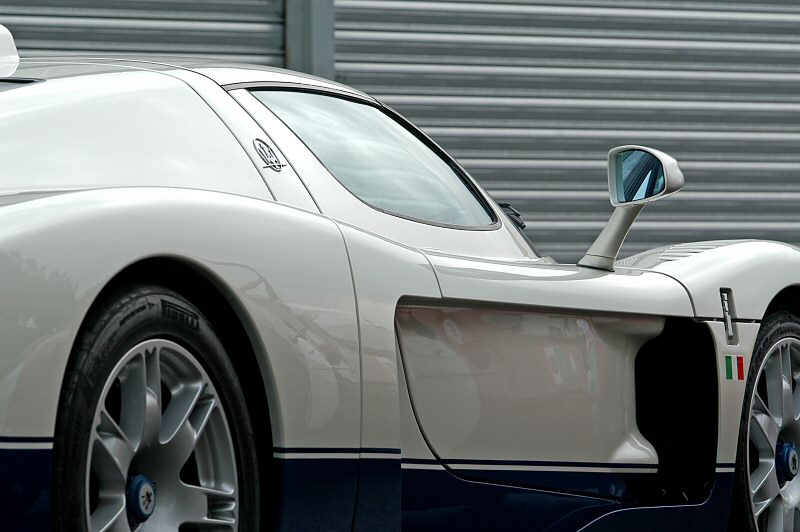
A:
<point x="161" y="455"/>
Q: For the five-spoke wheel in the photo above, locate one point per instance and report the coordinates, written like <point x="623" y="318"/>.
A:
<point x="160" y="435"/>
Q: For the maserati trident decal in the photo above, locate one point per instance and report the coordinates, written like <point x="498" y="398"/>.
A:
<point x="268" y="156"/>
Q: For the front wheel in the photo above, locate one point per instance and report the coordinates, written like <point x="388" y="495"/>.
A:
<point x="153" y="432"/>
<point x="767" y="484"/>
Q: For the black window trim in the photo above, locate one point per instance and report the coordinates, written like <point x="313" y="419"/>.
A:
<point x="465" y="178"/>
<point x="20" y="82"/>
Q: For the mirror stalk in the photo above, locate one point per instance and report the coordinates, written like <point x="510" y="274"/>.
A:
<point x="604" y="251"/>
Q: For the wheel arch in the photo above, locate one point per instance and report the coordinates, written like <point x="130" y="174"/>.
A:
<point x="787" y="299"/>
<point x="230" y="322"/>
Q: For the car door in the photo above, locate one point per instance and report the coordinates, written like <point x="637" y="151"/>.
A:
<point x="522" y="371"/>
<point x="525" y="373"/>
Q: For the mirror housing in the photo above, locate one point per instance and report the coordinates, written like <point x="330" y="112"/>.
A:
<point x="637" y="175"/>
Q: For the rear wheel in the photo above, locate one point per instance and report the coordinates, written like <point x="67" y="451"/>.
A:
<point x="153" y="431"/>
<point x="767" y="484"/>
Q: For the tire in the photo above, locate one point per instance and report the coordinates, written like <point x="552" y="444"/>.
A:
<point x="153" y="432"/>
<point x="769" y="434"/>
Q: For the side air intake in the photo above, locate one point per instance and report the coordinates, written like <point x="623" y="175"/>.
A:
<point x="676" y="410"/>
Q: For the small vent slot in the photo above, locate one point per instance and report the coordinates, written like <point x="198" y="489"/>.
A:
<point x="682" y="251"/>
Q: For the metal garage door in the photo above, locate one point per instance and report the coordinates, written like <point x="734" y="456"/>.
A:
<point x="530" y="95"/>
<point x="237" y="30"/>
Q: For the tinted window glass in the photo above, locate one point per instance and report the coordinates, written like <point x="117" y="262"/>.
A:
<point x="377" y="159"/>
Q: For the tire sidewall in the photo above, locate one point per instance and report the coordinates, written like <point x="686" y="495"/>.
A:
<point x="125" y="320"/>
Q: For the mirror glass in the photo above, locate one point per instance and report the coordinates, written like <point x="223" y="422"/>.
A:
<point x="639" y="175"/>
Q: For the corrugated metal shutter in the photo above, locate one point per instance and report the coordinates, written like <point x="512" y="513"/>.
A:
<point x="529" y="96"/>
<point x="249" y="31"/>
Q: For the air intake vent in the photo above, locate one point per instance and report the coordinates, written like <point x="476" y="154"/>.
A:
<point x="676" y="410"/>
<point x="681" y="251"/>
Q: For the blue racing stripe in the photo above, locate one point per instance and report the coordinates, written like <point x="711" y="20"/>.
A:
<point x="336" y="450"/>
<point x="25" y="487"/>
<point x="386" y="497"/>
<point x="545" y="463"/>
<point x="619" y="481"/>
<point x="710" y="516"/>
<point x="317" y="450"/>
<point x="427" y="461"/>
<point x="461" y="461"/>
<point x="378" y="504"/>
<point x="317" y="494"/>
<point x="438" y="500"/>
<point x="380" y="450"/>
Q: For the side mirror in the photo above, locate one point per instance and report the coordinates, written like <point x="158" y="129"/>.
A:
<point x="637" y="175"/>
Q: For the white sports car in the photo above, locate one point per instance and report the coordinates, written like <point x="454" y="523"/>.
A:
<point x="241" y="298"/>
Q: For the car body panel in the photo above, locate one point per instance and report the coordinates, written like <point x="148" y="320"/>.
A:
<point x="68" y="115"/>
<point x="289" y="187"/>
<point x="283" y="183"/>
<point x="417" y="376"/>
<point x="755" y="271"/>
<point x="385" y="421"/>
<point x="303" y="328"/>
<point x="515" y="395"/>
<point x="524" y="345"/>
<point x="731" y="391"/>
<point x="306" y="323"/>
<point x="374" y="260"/>
<point x="535" y="283"/>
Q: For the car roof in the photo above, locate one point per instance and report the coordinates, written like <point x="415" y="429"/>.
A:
<point x="221" y="72"/>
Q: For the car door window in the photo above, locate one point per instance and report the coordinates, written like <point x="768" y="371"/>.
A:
<point x="379" y="160"/>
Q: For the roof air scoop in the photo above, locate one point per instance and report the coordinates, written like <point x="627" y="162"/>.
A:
<point x="9" y="58"/>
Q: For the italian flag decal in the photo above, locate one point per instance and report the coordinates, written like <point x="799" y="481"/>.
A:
<point x="734" y="368"/>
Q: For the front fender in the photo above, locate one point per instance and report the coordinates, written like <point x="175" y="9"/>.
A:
<point x="754" y="270"/>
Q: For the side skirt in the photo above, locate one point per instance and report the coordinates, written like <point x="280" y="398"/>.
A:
<point x="322" y="486"/>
